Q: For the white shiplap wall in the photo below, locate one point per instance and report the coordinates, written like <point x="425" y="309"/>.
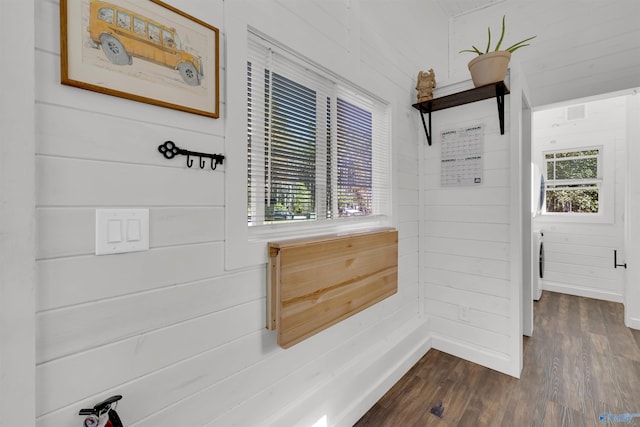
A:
<point x="17" y="217"/>
<point x="632" y="213"/>
<point x="171" y="329"/>
<point x="579" y="251"/>
<point x="467" y="238"/>
<point x="188" y="340"/>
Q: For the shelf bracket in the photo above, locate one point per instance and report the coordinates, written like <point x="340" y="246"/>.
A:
<point x="500" y="100"/>
<point x="498" y="89"/>
<point x="427" y="131"/>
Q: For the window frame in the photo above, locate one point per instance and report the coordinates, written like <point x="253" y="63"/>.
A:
<point x="604" y="180"/>
<point x="345" y="90"/>
<point x="242" y="251"/>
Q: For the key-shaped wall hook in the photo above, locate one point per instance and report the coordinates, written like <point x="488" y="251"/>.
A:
<point x="169" y="150"/>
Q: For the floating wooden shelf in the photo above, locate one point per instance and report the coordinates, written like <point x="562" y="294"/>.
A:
<point x="499" y="90"/>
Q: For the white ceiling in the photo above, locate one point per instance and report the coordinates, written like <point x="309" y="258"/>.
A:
<point x="458" y="7"/>
<point x="583" y="48"/>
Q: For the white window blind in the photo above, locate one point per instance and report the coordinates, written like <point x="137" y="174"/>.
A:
<point x="318" y="149"/>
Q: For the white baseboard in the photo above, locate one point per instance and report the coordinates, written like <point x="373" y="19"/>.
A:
<point x="353" y="390"/>
<point x="565" y="288"/>
<point x="632" y="322"/>
<point x="496" y="361"/>
<point x="408" y="352"/>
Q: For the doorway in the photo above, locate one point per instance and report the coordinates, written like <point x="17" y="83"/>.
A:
<point x="580" y="146"/>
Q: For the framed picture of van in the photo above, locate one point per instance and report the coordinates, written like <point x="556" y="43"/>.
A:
<point x="143" y="50"/>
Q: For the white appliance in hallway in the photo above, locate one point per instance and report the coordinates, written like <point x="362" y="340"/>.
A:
<point x="537" y="270"/>
<point x="538" y="192"/>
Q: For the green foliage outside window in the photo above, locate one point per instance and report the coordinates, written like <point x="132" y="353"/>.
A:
<point x="572" y="181"/>
<point x="577" y="201"/>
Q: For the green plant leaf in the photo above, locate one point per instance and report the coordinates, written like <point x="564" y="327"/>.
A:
<point x="475" y="50"/>
<point x="489" y="42"/>
<point x="520" y="44"/>
<point x="518" y="47"/>
<point x="501" y="35"/>
<point x="511" y="48"/>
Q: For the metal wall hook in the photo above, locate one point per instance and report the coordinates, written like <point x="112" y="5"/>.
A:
<point x="169" y="150"/>
<point x="615" y="260"/>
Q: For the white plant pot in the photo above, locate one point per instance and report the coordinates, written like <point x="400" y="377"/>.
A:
<point x="489" y="68"/>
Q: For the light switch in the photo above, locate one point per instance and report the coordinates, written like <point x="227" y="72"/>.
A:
<point x="121" y="230"/>
<point x="133" y="230"/>
<point x="114" y="233"/>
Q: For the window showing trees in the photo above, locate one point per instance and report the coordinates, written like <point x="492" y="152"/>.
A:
<point x="574" y="180"/>
<point x="354" y="146"/>
<point x="316" y="151"/>
<point x="290" y="171"/>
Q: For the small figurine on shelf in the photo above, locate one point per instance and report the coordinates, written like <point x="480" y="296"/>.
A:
<point x="426" y="83"/>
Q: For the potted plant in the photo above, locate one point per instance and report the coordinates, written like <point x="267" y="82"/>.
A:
<point x="491" y="67"/>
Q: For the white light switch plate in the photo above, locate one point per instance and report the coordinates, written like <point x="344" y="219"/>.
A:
<point x="121" y="230"/>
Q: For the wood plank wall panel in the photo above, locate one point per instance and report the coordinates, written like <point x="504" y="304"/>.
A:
<point x="126" y="323"/>
<point x="580" y="259"/>
<point x="17" y="252"/>
<point x="74" y="280"/>
<point x="466" y="241"/>
<point x="174" y="332"/>
<point x="317" y="282"/>
<point x="58" y="234"/>
<point x="107" y="144"/>
<point x="72" y="329"/>
<point x="105" y="181"/>
<point x="145" y="353"/>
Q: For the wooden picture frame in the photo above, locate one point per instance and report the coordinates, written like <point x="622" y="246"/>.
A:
<point x="143" y="50"/>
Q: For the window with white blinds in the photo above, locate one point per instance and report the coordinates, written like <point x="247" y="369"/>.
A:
<point x="318" y="148"/>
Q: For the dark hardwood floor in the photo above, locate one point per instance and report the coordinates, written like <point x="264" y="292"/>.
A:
<point x="580" y="362"/>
